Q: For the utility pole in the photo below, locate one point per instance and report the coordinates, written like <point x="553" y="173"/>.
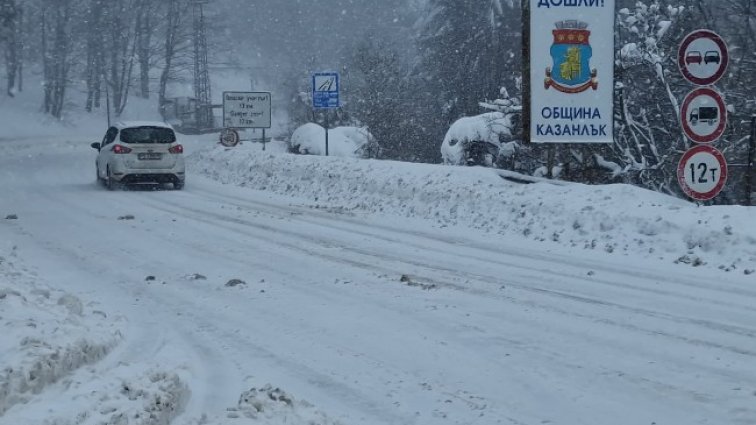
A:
<point x="202" y="90"/>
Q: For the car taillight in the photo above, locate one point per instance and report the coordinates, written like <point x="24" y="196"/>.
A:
<point x="119" y="149"/>
<point x="176" y="149"/>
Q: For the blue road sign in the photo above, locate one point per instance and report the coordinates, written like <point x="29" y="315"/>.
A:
<point x="325" y="90"/>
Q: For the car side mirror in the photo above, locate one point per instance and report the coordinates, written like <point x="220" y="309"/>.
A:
<point x="95" y="146"/>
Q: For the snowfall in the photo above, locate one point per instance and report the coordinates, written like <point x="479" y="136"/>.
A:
<point x="302" y="289"/>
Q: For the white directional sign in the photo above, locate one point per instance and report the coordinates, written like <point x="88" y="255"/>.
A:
<point x="703" y="57"/>
<point x="246" y="109"/>
<point x="702" y="172"/>
<point x="704" y="115"/>
<point x="571" y="71"/>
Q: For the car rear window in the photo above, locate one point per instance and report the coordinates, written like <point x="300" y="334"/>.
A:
<point x="147" y="135"/>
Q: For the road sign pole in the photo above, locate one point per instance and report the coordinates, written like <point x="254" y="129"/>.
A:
<point x="263" y="139"/>
<point x="325" y="95"/>
<point x="326" y="129"/>
<point x="751" y="162"/>
<point x="526" y="93"/>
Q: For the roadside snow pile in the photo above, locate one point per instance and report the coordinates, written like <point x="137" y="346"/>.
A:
<point x="614" y="218"/>
<point x="122" y="396"/>
<point x="342" y="141"/>
<point x="155" y="398"/>
<point x="270" y="406"/>
<point x="45" y="334"/>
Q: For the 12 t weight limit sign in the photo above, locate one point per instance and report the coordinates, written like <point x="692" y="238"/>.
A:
<point x="702" y="172"/>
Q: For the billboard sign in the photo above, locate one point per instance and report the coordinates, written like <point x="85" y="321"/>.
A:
<point x="571" y="54"/>
<point x="246" y="109"/>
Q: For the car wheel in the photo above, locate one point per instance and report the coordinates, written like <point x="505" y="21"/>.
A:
<point x="178" y="185"/>
<point x="110" y="182"/>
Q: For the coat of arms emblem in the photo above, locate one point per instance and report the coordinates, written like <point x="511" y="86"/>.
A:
<point x="572" y="54"/>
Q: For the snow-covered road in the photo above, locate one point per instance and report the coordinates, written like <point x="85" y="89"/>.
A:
<point x="369" y="319"/>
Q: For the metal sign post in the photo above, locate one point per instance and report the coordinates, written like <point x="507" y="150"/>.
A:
<point x="751" y="161"/>
<point x="326" y="131"/>
<point x="326" y="95"/>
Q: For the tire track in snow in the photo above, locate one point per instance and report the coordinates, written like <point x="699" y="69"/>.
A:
<point x="313" y="216"/>
<point x="221" y="221"/>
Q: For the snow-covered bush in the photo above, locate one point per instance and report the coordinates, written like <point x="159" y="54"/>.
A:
<point x="470" y="137"/>
<point x="486" y="139"/>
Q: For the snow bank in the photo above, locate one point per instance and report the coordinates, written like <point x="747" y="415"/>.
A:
<point x="52" y="351"/>
<point x="273" y="406"/>
<point x="46" y="335"/>
<point x="617" y="219"/>
<point x="122" y="396"/>
<point x="342" y="141"/>
<point x="152" y="398"/>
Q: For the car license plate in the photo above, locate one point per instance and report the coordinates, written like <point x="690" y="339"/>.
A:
<point x="150" y="156"/>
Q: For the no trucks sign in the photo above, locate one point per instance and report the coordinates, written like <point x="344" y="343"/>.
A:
<point x="571" y="71"/>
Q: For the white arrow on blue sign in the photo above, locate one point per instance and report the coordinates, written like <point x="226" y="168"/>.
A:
<point x="325" y="90"/>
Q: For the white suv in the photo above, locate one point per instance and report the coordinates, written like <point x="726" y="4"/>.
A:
<point x="140" y="152"/>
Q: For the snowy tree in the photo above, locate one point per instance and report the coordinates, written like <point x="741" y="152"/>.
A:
<point x="469" y="50"/>
<point x="648" y="132"/>
<point x="10" y="27"/>
<point x="385" y="96"/>
<point x="57" y="48"/>
<point x="175" y="34"/>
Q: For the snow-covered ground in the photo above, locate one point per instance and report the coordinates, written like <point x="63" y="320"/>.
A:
<point x="280" y="289"/>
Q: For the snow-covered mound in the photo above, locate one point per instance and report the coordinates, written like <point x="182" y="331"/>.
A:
<point x="619" y="219"/>
<point x="485" y="128"/>
<point x="342" y="141"/>
<point x="46" y="335"/>
<point x="269" y="405"/>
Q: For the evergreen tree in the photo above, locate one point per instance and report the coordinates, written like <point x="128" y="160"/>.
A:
<point x="469" y="50"/>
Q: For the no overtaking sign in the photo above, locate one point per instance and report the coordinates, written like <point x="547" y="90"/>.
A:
<point x="703" y="57"/>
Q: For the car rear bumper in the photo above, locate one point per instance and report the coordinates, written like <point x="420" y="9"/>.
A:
<point x="128" y="175"/>
<point x="152" y="178"/>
